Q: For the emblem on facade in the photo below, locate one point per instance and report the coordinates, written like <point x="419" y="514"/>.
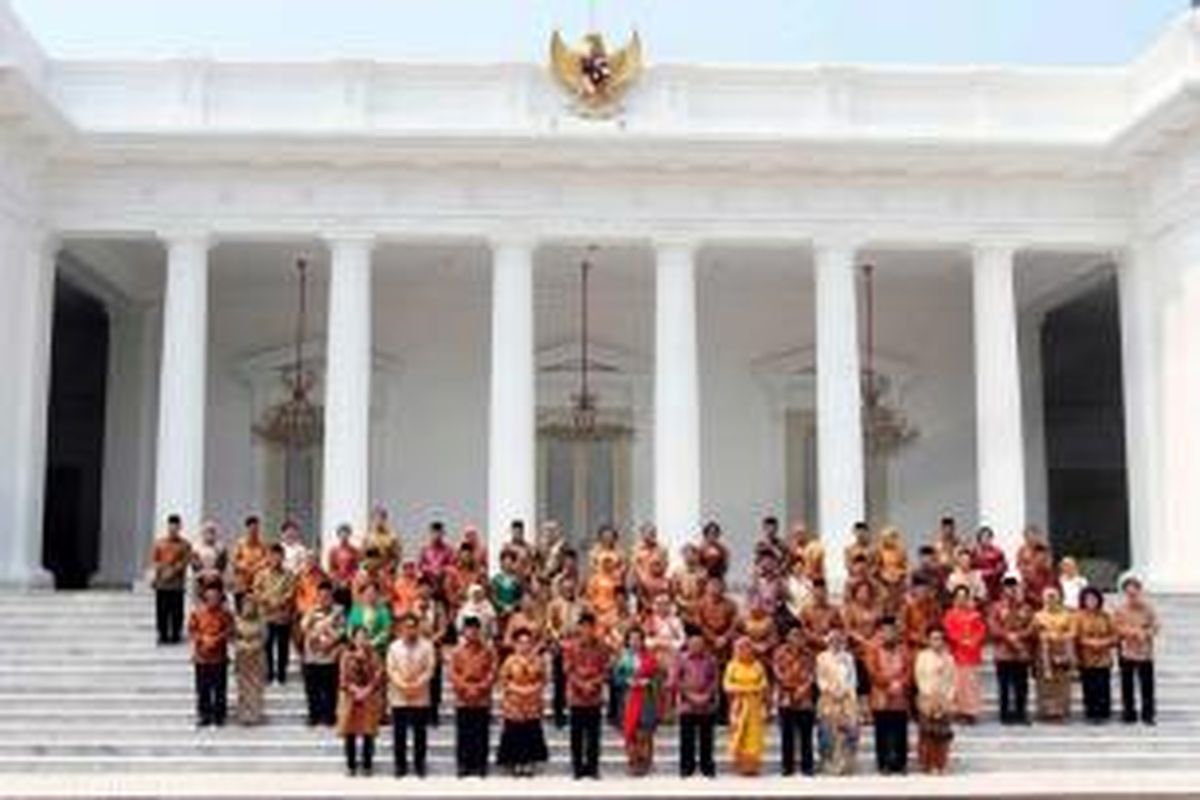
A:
<point x="596" y="78"/>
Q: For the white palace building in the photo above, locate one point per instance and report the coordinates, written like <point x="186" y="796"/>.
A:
<point x="1033" y="353"/>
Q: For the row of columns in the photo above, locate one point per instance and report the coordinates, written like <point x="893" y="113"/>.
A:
<point x="511" y="445"/>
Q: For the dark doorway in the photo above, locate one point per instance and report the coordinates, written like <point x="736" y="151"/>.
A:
<point x="1085" y="428"/>
<point x="75" y="448"/>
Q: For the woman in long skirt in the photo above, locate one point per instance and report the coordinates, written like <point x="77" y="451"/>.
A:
<point x="249" y="662"/>
<point x="746" y="686"/>
<point x="360" y="704"/>
<point x="1055" y="626"/>
<point x="522" y="683"/>
<point x="966" y="633"/>
<point x="640" y="677"/>
<point x="837" y="707"/>
<point x="936" y="676"/>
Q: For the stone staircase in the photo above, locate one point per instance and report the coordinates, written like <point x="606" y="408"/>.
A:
<point x="84" y="689"/>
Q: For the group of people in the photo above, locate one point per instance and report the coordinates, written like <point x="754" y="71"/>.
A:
<point x="616" y="635"/>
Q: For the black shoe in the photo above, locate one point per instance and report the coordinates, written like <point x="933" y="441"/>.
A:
<point x="351" y="772"/>
<point x="368" y="772"/>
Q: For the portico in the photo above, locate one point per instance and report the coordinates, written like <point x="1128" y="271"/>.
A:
<point x="445" y="233"/>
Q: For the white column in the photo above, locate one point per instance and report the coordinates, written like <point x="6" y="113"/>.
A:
<point x="1139" y="319"/>
<point x="179" y="470"/>
<point x="676" y="398"/>
<point x="512" y="410"/>
<point x="839" y="399"/>
<point x="35" y="266"/>
<point x="1000" y="455"/>
<point x="346" y="472"/>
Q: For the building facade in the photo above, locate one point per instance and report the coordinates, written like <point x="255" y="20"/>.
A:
<point x="1033" y="232"/>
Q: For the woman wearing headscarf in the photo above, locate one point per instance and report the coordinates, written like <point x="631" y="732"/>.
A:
<point x="746" y="686"/>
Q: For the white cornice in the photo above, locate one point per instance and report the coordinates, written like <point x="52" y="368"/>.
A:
<point x="832" y="116"/>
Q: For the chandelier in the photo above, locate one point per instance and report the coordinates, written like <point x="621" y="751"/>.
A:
<point x="585" y="422"/>
<point x="297" y="423"/>
<point x="583" y="405"/>
<point x="885" y="427"/>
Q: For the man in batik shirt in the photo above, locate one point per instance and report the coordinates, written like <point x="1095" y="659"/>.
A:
<point x="210" y="628"/>
<point x="562" y="616"/>
<point x="249" y="557"/>
<point x="344" y="558"/>
<point x="473" y="669"/>
<point x="695" y="683"/>
<point x="794" y="667"/>
<point x="323" y="630"/>
<point x="717" y="616"/>
<point x="587" y="662"/>
<point x="275" y="591"/>
<point x="171" y="556"/>
<point x="891" y="697"/>
<point x="1010" y="626"/>
<point x="1137" y="625"/>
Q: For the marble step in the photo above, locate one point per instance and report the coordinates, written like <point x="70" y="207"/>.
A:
<point x="277" y="739"/>
<point x="611" y="764"/>
<point x="290" y="727"/>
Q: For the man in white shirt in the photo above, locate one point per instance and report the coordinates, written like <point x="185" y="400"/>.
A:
<point x="295" y="551"/>
<point x="411" y="661"/>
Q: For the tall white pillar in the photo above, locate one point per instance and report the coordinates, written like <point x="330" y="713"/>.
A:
<point x="512" y="410"/>
<point x="35" y="260"/>
<point x="840" y="482"/>
<point x="676" y="398"/>
<point x="345" y="496"/>
<point x="179" y="467"/>
<point x="1000" y="454"/>
<point x="1139" y="321"/>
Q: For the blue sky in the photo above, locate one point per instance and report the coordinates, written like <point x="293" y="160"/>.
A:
<point x="914" y="31"/>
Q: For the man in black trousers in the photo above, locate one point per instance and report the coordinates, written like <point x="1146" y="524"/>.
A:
<point x="473" y="667"/>
<point x="697" y="680"/>
<point x="587" y="662"/>
<point x="171" y="556"/>
<point x="891" y="696"/>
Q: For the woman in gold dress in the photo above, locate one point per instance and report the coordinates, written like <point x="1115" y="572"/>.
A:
<point x="249" y="662"/>
<point x="746" y="685"/>
<point x="1055" y="627"/>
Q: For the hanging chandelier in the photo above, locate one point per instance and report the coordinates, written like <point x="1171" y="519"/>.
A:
<point x="583" y="402"/>
<point x="585" y="421"/>
<point x="297" y="423"/>
<point x="885" y="427"/>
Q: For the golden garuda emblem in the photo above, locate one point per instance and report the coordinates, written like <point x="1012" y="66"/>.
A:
<point x="596" y="78"/>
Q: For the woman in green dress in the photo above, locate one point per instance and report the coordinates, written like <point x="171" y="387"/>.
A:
<point x="371" y="613"/>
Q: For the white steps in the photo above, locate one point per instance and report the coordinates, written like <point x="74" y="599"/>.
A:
<point x="84" y="690"/>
